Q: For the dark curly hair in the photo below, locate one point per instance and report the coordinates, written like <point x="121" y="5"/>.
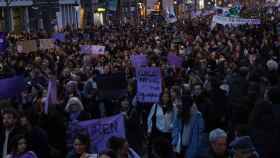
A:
<point x="14" y="143"/>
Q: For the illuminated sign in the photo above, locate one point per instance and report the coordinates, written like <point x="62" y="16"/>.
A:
<point x="101" y="9"/>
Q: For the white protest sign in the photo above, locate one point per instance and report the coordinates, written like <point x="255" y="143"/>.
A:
<point x="93" y="49"/>
<point x="46" y="44"/>
<point x="26" y="46"/>
<point x="98" y="50"/>
<point x="235" y="21"/>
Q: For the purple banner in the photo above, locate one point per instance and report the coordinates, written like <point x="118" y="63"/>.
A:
<point x="101" y="130"/>
<point x="139" y="60"/>
<point x="3" y="43"/>
<point x="148" y="84"/>
<point x="11" y="87"/>
<point x="51" y="98"/>
<point x="175" y="60"/>
<point x="85" y="49"/>
<point x="59" y="37"/>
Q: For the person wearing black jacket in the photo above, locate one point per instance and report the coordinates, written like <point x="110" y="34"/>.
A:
<point x="8" y="131"/>
<point x="38" y="137"/>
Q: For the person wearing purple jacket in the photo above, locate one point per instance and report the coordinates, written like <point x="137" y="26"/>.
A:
<point x="20" y="148"/>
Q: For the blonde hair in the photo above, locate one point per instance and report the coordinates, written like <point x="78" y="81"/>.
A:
<point x="76" y="101"/>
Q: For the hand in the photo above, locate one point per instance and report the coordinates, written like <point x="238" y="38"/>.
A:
<point x="149" y="135"/>
<point x="85" y="155"/>
<point x="174" y="148"/>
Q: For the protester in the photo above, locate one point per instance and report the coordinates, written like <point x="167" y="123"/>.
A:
<point x="161" y="149"/>
<point x="160" y="121"/>
<point x="9" y="131"/>
<point x="76" y="110"/>
<point x="187" y="130"/>
<point x="37" y="136"/>
<point x="121" y="149"/>
<point x="264" y="124"/>
<point x="20" y="148"/>
<point x="218" y="145"/>
<point x="81" y="148"/>
<point x="209" y="76"/>
<point x="243" y="148"/>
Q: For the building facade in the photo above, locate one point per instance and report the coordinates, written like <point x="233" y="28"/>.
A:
<point x="35" y="15"/>
<point x="15" y="15"/>
<point x="70" y="14"/>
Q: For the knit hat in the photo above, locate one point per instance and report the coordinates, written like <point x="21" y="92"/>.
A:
<point x="216" y="134"/>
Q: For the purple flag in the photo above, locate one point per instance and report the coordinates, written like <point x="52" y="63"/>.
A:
<point x="175" y="60"/>
<point x="11" y="87"/>
<point x="148" y="84"/>
<point x="51" y="96"/>
<point x="3" y="43"/>
<point x="59" y="37"/>
<point x="101" y="130"/>
<point x="139" y="60"/>
<point x="85" y="49"/>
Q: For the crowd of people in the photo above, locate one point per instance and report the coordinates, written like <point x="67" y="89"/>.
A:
<point x="222" y="102"/>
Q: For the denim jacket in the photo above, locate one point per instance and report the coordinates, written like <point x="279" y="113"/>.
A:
<point x="197" y="128"/>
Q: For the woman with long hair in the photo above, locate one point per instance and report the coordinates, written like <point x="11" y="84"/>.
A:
<point x="20" y="148"/>
<point x="160" y="121"/>
<point x="81" y="147"/>
<point x="187" y="129"/>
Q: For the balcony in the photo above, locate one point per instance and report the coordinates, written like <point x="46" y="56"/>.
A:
<point x="15" y="3"/>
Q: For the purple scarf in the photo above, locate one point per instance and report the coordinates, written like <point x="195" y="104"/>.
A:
<point x="28" y="154"/>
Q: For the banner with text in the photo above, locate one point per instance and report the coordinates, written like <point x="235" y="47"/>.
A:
<point x="101" y="130"/>
<point x="93" y="49"/>
<point x="234" y="21"/>
<point x="148" y="84"/>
